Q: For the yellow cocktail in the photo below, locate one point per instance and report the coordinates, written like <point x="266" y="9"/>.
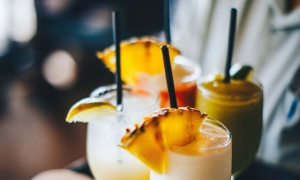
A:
<point x="238" y="105"/>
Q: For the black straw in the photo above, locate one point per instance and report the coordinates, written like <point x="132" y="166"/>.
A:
<point x="117" y="32"/>
<point x="230" y="44"/>
<point x="169" y="76"/>
<point x="167" y="21"/>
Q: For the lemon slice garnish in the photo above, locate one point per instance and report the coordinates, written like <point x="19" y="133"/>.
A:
<point x="87" y="108"/>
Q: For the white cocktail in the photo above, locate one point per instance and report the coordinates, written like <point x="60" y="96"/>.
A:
<point x="206" y="158"/>
<point x="106" y="160"/>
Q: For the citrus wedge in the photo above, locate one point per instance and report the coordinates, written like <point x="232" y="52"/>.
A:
<point x="160" y="131"/>
<point x="138" y="55"/>
<point x="241" y="72"/>
<point x="87" y="108"/>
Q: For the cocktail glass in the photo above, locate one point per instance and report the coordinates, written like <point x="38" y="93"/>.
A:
<point x="106" y="159"/>
<point x="239" y="105"/>
<point x="185" y="75"/>
<point x="142" y="65"/>
<point x="208" y="158"/>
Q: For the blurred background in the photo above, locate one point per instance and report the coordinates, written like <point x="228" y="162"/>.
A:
<point x="47" y="63"/>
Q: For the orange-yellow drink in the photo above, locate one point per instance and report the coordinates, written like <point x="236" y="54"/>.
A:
<point x="238" y="105"/>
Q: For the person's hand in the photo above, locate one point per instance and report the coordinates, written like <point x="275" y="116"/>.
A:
<point x="60" y="174"/>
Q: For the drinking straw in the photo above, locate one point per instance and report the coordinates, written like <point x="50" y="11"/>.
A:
<point x="167" y="21"/>
<point x="230" y="44"/>
<point x="169" y="76"/>
<point x="116" y="34"/>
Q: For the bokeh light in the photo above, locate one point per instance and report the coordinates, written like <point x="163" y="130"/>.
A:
<point x="60" y="69"/>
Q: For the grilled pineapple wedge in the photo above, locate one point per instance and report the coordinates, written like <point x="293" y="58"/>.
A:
<point x="138" y="55"/>
<point x="161" y="130"/>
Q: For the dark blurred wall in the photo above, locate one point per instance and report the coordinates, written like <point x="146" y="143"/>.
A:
<point x="33" y="134"/>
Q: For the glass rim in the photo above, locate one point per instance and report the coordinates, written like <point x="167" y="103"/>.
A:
<point x="219" y="146"/>
<point x="222" y="126"/>
<point x="184" y="61"/>
<point x="207" y="92"/>
<point x="105" y="89"/>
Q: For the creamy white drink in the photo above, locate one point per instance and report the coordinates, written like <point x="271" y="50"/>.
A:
<point x="206" y="158"/>
<point x="107" y="160"/>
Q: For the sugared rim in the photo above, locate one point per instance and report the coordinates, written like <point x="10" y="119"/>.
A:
<point x="103" y="90"/>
